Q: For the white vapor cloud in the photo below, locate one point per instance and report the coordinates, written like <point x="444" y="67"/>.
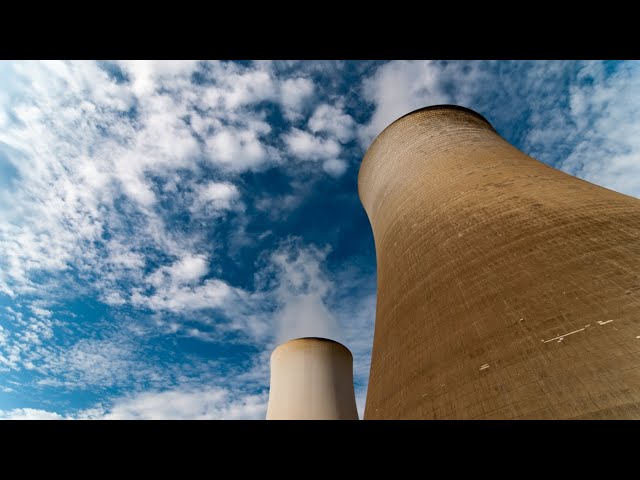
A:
<point x="302" y="285"/>
<point x="399" y="87"/>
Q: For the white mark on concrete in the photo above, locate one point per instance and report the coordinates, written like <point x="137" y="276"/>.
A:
<point x="600" y="322"/>
<point x="560" y="337"/>
<point x="482" y="367"/>
<point x="424" y="394"/>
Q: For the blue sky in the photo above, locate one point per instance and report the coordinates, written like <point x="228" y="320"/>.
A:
<point x="164" y="225"/>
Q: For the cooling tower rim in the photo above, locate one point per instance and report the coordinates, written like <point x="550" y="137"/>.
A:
<point x="443" y="106"/>
<point x="312" y="340"/>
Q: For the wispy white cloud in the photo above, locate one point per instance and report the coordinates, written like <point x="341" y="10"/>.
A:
<point x="29" y="414"/>
<point x="179" y="297"/>
<point x="334" y="121"/>
<point x="205" y="404"/>
<point x="577" y="116"/>
<point x="147" y="76"/>
<point x="335" y="167"/>
<point x="81" y="138"/>
<point x="25" y="338"/>
<point x="306" y="146"/>
<point x="93" y="363"/>
<point x="239" y="148"/>
<point x="98" y="148"/>
<point x="187" y="269"/>
<point x="214" y="197"/>
<point x="601" y="126"/>
<point x="294" y="95"/>
<point x="235" y="87"/>
<point x="278" y="206"/>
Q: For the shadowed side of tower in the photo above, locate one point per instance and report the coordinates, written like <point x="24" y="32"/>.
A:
<point x="506" y="288"/>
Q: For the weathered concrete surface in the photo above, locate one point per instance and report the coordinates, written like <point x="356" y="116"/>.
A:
<point x="312" y="379"/>
<point x="506" y="288"/>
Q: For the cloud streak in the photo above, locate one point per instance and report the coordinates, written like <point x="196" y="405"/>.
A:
<point x="207" y="404"/>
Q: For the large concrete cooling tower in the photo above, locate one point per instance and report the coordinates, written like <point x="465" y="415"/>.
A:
<point x="506" y="288"/>
<point x="312" y="379"/>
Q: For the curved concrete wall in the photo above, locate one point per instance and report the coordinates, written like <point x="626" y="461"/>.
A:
<point x="506" y="288"/>
<point x="311" y="379"/>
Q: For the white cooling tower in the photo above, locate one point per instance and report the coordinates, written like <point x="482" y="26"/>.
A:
<point x="312" y="379"/>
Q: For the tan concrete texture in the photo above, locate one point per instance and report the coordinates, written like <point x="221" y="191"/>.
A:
<point x="311" y="379"/>
<point x="507" y="289"/>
